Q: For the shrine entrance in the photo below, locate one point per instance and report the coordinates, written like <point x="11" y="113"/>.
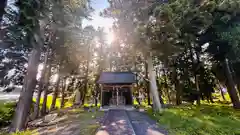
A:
<point x="113" y="95"/>
<point x="116" y="88"/>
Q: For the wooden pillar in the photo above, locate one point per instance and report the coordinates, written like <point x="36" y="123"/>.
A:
<point x="131" y="92"/>
<point x="117" y="96"/>
<point x="101" y="96"/>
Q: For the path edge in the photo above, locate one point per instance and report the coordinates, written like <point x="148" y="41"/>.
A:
<point x="134" y="133"/>
<point x="103" y="121"/>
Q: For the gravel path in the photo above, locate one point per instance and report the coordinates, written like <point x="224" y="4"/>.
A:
<point x="143" y="125"/>
<point x="116" y="123"/>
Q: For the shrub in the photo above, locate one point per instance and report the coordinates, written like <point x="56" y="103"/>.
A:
<point x="6" y="113"/>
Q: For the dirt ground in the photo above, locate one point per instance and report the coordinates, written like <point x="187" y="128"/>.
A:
<point x="68" y="122"/>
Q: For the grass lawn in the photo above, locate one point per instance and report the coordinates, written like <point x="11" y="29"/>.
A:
<point x="88" y="122"/>
<point x="6" y="112"/>
<point x="214" y="119"/>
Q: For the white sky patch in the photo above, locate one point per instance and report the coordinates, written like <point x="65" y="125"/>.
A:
<point x="98" y="21"/>
<point x="95" y="54"/>
<point x="25" y="65"/>
<point x="97" y="45"/>
<point x="6" y="60"/>
<point x="40" y="68"/>
<point x="68" y="81"/>
<point x="54" y="78"/>
<point x="110" y="37"/>
<point x="205" y="46"/>
<point x="11" y="73"/>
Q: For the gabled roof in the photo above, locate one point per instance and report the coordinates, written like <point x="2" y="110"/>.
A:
<point x="117" y="78"/>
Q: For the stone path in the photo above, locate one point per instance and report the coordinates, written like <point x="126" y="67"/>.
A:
<point x="143" y="125"/>
<point x="116" y="123"/>
<point x="121" y="122"/>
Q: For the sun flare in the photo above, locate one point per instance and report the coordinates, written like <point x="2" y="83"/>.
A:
<point x="110" y="37"/>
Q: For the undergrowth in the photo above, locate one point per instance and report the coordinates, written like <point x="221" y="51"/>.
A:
<point x="207" y="119"/>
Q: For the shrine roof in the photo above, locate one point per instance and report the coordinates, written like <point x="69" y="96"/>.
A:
<point x="117" y="78"/>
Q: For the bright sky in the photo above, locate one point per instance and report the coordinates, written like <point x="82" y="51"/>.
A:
<point x="97" y="20"/>
<point x="99" y="5"/>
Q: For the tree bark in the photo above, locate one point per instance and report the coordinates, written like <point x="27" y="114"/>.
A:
<point x="147" y="84"/>
<point x="97" y="93"/>
<point x="45" y="88"/>
<point x="166" y="86"/>
<point x="84" y="92"/>
<point x="222" y="94"/>
<point x="231" y="86"/>
<point x="63" y="92"/>
<point x="196" y="62"/>
<point x="220" y="89"/>
<point x="153" y="84"/>
<point x="55" y="94"/>
<point x="198" y="90"/>
<point x="160" y="92"/>
<point x="40" y="89"/>
<point x="25" y="99"/>
<point x="138" y="91"/>
<point x="86" y="77"/>
<point x="238" y="87"/>
<point x="177" y="87"/>
<point x="78" y="97"/>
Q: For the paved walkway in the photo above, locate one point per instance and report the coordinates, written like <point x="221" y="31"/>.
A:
<point x="116" y="122"/>
<point x="143" y="125"/>
<point x="121" y="122"/>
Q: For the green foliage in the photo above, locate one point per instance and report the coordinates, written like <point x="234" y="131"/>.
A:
<point x="91" y="105"/>
<point x="91" y="128"/>
<point x="214" y="119"/>
<point x="6" y="112"/>
<point x="69" y="103"/>
<point x="27" y="132"/>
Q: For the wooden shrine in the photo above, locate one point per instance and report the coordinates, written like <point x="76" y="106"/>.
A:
<point x="116" y="88"/>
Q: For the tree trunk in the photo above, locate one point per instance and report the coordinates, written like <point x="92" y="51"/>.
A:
<point x="97" y="94"/>
<point x="45" y="88"/>
<point x="198" y="90"/>
<point x="25" y="99"/>
<point x="222" y="94"/>
<point x="177" y="87"/>
<point x="166" y="86"/>
<point x="98" y="89"/>
<point x="138" y="91"/>
<point x="160" y="91"/>
<point x="196" y="62"/>
<point x="78" y="97"/>
<point x="40" y="89"/>
<point x="153" y="84"/>
<point x="221" y="91"/>
<point x="147" y="84"/>
<point x="63" y="94"/>
<point x="238" y="87"/>
<point x="2" y="8"/>
<point x="231" y="86"/>
<point x="55" y="94"/>
<point x="84" y="92"/>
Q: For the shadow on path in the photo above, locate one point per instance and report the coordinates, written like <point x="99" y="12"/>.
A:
<point x="121" y="122"/>
<point x="116" y="123"/>
<point x="144" y="125"/>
